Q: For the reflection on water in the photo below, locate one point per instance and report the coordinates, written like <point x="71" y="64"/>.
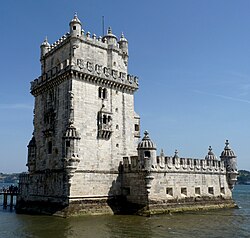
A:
<point x="219" y="223"/>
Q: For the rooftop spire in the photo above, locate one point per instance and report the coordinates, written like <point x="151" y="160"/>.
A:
<point x="109" y="30"/>
<point x="227" y="145"/>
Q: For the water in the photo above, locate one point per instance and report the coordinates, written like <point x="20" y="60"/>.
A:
<point x="219" y="223"/>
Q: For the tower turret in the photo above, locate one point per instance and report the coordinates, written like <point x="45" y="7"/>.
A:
<point x="44" y="47"/>
<point x="229" y="158"/>
<point x="75" y="27"/>
<point x="147" y="152"/>
<point x="110" y="38"/>
<point x="123" y="45"/>
<point x="31" y="155"/>
<point x="71" y="150"/>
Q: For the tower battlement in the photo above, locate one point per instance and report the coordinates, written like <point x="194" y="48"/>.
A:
<point x="101" y="60"/>
<point x="172" y="164"/>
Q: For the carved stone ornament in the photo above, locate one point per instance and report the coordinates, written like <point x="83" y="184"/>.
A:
<point x="80" y="63"/>
<point x="98" y="68"/>
<point x="90" y="66"/>
<point x="106" y="71"/>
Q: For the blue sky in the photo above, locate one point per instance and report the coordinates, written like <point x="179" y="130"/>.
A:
<point x="192" y="58"/>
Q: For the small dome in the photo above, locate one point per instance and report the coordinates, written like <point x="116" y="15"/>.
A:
<point x="210" y="155"/>
<point x="71" y="132"/>
<point x="123" y="39"/>
<point x="75" y="19"/>
<point x="227" y="152"/>
<point x="45" y="42"/>
<point x="146" y="142"/>
<point x="109" y="35"/>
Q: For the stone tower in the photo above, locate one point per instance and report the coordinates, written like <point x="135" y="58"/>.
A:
<point x="84" y="121"/>
<point x="84" y="155"/>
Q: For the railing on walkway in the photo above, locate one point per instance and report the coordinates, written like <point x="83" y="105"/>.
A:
<point x="9" y="196"/>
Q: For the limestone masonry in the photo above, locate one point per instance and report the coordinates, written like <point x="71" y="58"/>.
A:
<point x="86" y="157"/>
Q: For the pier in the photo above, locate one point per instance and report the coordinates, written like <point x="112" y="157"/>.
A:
<point x="9" y="196"/>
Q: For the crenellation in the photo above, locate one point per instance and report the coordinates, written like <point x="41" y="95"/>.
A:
<point x="171" y="164"/>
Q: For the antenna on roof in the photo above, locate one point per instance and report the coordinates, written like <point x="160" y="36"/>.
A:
<point x="102" y="25"/>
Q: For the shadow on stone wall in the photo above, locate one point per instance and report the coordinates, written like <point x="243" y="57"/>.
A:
<point x="117" y="199"/>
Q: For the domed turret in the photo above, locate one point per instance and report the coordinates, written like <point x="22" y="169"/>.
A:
<point x="227" y="152"/>
<point x="147" y="152"/>
<point x="123" y="45"/>
<point x="75" y="26"/>
<point x="229" y="158"/>
<point x="71" y="149"/>
<point x="110" y="38"/>
<point x="44" y="47"/>
<point x="146" y="142"/>
<point x="210" y="155"/>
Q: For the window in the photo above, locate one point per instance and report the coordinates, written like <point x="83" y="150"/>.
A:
<point x="211" y="190"/>
<point x="147" y="154"/>
<point x="50" y="147"/>
<point x="74" y="27"/>
<point x="222" y="190"/>
<point x="184" y="191"/>
<point x="104" y="125"/>
<point x="67" y="143"/>
<point x="137" y="127"/>
<point x="104" y="119"/>
<point x="102" y="93"/>
<point x="197" y="191"/>
<point x="169" y="191"/>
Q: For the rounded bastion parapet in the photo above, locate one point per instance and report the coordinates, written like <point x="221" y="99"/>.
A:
<point x="210" y="155"/>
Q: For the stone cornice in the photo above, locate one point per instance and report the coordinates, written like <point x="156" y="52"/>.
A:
<point x="46" y="85"/>
<point x="42" y="84"/>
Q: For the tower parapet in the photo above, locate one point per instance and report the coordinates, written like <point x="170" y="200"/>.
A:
<point x="71" y="54"/>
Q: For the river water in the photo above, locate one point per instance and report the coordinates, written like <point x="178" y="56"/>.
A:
<point x="219" y="223"/>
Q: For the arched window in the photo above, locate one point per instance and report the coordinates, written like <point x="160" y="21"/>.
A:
<point x="102" y="93"/>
